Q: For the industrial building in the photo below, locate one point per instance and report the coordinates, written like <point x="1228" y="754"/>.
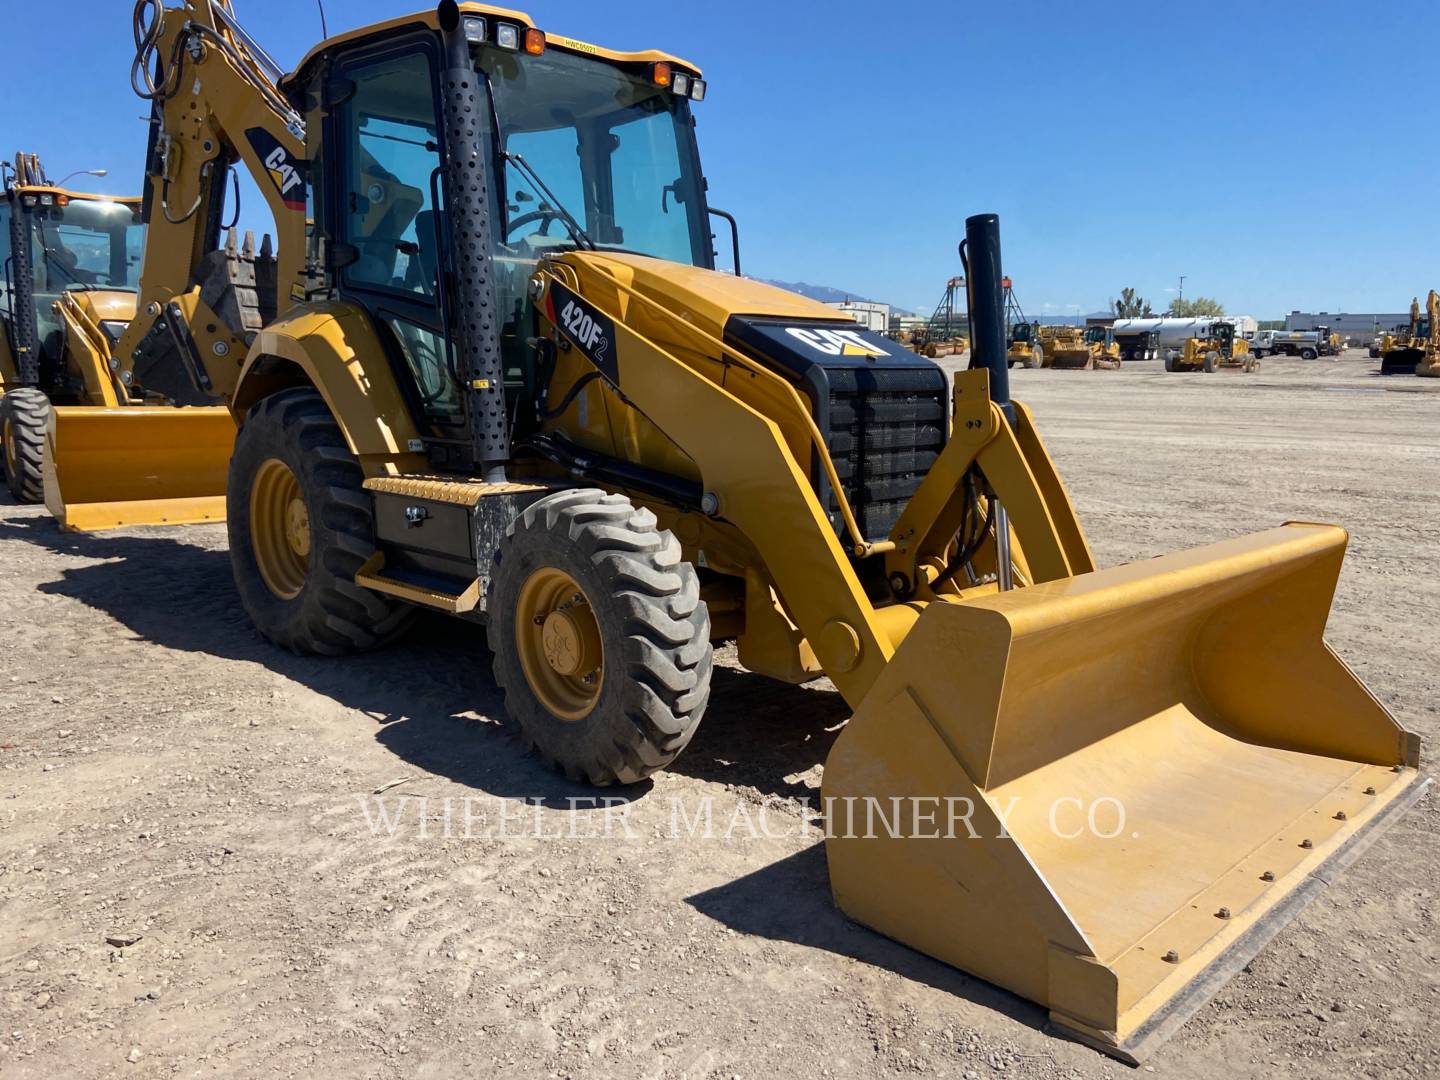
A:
<point x="868" y="314"/>
<point x="1360" y="327"/>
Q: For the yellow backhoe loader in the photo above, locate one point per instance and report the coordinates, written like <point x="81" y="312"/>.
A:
<point x="503" y="380"/>
<point x="1221" y="347"/>
<point x="72" y="262"/>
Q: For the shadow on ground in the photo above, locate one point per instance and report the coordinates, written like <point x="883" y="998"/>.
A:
<point x="431" y="694"/>
<point x="790" y="901"/>
<point x="436" y="707"/>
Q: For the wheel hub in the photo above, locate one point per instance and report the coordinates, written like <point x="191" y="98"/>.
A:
<point x="280" y="529"/>
<point x="559" y="643"/>
<point x="297" y="527"/>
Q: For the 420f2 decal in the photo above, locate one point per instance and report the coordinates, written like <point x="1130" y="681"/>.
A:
<point x="588" y="329"/>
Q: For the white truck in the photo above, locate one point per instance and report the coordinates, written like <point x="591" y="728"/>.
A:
<point x="1306" y="344"/>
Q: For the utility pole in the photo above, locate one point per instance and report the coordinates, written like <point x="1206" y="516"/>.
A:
<point x="1181" y="294"/>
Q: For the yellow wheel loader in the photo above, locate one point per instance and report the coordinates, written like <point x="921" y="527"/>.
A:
<point x="1023" y="346"/>
<point x="1066" y="347"/>
<point x="503" y="380"/>
<point x="72" y="263"/>
<point x="1222" y="347"/>
<point x="1022" y="338"/>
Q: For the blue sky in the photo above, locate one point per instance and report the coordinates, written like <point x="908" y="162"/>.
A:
<point x="1279" y="154"/>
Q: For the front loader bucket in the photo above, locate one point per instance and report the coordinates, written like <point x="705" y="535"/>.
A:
<point x="138" y="465"/>
<point x="1161" y="764"/>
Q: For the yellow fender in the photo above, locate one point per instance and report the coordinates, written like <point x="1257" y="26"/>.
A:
<point x="334" y="348"/>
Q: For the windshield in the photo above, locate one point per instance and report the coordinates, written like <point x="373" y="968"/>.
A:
<point x="87" y="244"/>
<point x="605" y="158"/>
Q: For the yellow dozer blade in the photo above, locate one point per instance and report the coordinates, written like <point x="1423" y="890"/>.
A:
<point x="138" y="465"/>
<point x="1165" y="763"/>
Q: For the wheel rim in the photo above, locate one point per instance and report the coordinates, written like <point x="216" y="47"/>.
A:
<point x="558" y="639"/>
<point x="280" y="529"/>
<point x="7" y="436"/>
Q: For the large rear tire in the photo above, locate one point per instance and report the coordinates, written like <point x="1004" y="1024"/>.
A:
<point x="24" y="416"/>
<point x="301" y="526"/>
<point x="600" y="638"/>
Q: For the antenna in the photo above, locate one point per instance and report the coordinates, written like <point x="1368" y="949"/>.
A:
<point x="324" y="30"/>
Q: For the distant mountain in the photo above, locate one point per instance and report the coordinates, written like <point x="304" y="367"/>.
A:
<point x="827" y="294"/>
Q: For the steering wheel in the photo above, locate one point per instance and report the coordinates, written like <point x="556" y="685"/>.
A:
<point x="546" y="215"/>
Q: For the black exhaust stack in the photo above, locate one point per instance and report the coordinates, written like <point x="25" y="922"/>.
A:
<point x="475" y="318"/>
<point x="24" y="330"/>
<point x="980" y="255"/>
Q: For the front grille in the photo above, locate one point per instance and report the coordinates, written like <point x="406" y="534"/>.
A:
<point x="884" y="428"/>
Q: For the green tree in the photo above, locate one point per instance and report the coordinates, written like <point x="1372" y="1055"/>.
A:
<point x="1200" y="306"/>
<point x="1131" y="306"/>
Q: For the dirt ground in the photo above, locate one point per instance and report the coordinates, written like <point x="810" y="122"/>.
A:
<point x="169" y="779"/>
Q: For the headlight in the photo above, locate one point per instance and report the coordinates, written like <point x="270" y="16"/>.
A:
<point x="681" y="84"/>
<point x="507" y="36"/>
<point x="474" y="29"/>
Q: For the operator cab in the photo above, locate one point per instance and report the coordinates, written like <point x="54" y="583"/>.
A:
<point x="588" y="149"/>
<point x="75" y="244"/>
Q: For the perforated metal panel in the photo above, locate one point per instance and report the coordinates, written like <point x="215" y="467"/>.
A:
<point x="476" y="323"/>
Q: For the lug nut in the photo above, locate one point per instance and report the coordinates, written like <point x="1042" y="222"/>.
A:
<point x="1223" y="913"/>
<point x="1340" y="815"/>
<point x="1369" y="791"/>
<point x="1171" y="957"/>
<point x="1268" y="875"/>
<point x="1306" y="843"/>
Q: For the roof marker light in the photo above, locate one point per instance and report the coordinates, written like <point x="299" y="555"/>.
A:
<point x="660" y="74"/>
<point x="534" y="41"/>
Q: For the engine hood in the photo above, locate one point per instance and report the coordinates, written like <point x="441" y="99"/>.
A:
<point x="787" y="331"/>
<point x="105" y="305"/>
<point x="707" y="299"/>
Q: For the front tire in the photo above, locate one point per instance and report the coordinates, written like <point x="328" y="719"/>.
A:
<point x="24" y="416"/>
<point x="301" y="526"/>
<point x="600" y="638"/>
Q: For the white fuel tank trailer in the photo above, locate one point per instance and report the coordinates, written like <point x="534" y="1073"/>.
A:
<point x="1175" y="332"/>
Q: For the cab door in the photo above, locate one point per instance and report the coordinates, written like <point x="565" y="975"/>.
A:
<point x="384" y="136"/>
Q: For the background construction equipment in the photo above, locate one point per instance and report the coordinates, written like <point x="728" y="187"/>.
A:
<point x="1022" y="337"/>
<point x="69" y="293"/>
<point x="1220" y="348"/>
